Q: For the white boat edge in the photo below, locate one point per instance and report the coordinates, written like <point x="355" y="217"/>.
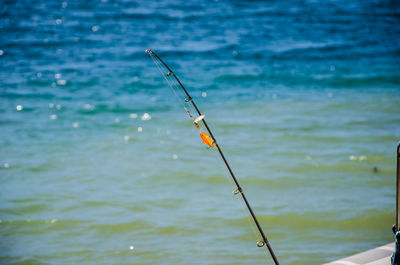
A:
<point x="377" y="256"/>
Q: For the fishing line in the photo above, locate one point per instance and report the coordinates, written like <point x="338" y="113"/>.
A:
<point x="172" y="84"/>
<point x="235" y="193"/>
<point x="189" y="108"/>
<point x="235" y="197"/>
<point x="165" y="77"/>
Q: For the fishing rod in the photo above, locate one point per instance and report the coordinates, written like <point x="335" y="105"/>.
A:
<point x="212" y="142"/>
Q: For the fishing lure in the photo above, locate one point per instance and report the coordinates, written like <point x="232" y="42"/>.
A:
<point x="207" y="140"/>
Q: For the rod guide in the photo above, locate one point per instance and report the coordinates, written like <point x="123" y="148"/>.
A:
<point x="260" y="244"/>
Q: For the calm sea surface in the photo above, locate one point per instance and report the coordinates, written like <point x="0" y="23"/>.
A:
<point x="99" y="163"/>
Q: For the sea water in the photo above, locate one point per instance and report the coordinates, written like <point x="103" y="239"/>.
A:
<point x="100" y="164"/>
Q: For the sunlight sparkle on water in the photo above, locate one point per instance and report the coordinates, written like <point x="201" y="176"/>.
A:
<point x="61" y="82"/>
<point x="53" y="116"/>
<point x="146" y="117"/>
<point x="75" y="125"/>
<point x="19" y="107"/>
<point x="140" y="129"/>
<point x="355" y="158"/>
<point x="88" y="106"/>
<point x="133" y="115"/>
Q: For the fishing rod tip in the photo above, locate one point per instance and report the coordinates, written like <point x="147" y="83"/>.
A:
<point x="148" y="51"/>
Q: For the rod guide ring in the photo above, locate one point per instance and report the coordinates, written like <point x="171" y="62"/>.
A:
<point x="235" y="192"/>
<point x="260" y="244"/>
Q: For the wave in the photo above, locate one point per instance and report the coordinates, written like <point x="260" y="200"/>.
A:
<point x="38" y="227"/>
<point x="332" y="221"/>
<point x="238" y="77"/>
<point x="308" y="221"/>
<point x="119" y="109"/>
<point x="28" y="95"/>
<point x="26" y="262"/>
<point x="300" y="48"/>
<point x="121" y="227"/>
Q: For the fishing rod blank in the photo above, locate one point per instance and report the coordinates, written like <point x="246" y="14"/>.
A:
<point x="239" y="189"/>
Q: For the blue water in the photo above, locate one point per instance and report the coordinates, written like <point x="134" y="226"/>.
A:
<point x="99" y="163"/>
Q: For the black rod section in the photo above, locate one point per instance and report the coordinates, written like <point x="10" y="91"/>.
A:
<point x="398" y="188"/>
<point x="239" y="188"/>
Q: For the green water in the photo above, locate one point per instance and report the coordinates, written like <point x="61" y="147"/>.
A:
<point x="307" y="167"/>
